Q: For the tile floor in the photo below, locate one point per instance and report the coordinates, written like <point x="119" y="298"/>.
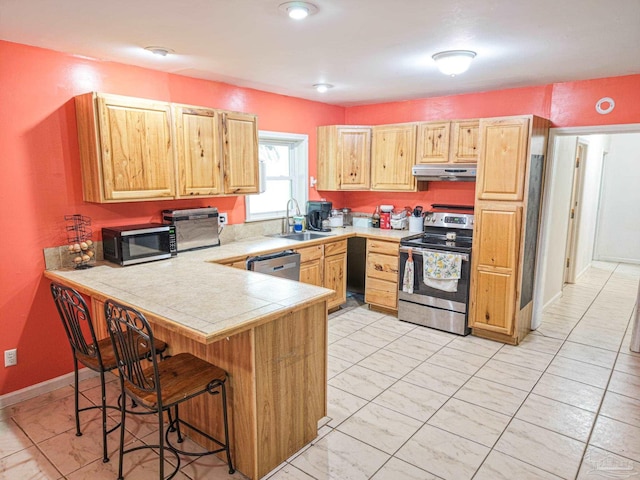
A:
<point x="406" y="402"/>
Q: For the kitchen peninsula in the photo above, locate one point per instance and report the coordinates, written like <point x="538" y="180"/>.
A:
<point x="269" y="334"/>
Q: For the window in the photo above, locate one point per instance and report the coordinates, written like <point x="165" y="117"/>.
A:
<point x="285" y="157"/>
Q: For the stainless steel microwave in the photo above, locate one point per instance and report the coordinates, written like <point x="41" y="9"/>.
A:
<point x="131" y="244"/>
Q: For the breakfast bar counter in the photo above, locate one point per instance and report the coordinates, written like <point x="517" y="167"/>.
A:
<point x="268" y="333"/>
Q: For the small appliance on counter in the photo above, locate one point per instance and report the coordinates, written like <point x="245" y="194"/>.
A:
<point x="196" y="228"/>
<point x="317" y="213"/>
<point x="336" y="219"/>
<point x="131" y="244"/>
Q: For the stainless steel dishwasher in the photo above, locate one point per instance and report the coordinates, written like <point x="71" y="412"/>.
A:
<point x="282" y="264"/>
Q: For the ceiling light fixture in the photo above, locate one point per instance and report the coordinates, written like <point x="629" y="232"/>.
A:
<point x="298" y="10"/>
<point x="162" y="51"/>
<point x="322" y="87"/>
<point x="454" y="62"/>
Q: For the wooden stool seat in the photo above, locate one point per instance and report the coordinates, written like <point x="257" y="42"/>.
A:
<point x="182" y="376"/>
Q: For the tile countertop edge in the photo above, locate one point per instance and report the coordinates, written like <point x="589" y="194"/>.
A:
<point x="92" y="289"/>
<point x="226" y="253"/>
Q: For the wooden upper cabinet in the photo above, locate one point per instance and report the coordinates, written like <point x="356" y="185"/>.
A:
<point x="503" y="159"/>
<point x="126" y="149"/>
<point x="448" y="142"/>
<point x="198" y="150"/>
<point x="344" y="158"/>
<point x="240" y="153"/>
<point x="465" y="141"/>
<point x="393" y="154"/>
<point x="433" y="142"/>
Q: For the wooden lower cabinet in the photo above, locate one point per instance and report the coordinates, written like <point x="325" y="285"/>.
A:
<point x="326" y="266"/>
<point x="311" y="264"/>
<point x="335" y="272"/>
<point x="381" y="282"/>
<point x="495" y="267"/>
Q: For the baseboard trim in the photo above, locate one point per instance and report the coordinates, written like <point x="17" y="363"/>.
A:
<point x="43" y="387"/>
<point x="553" y="299"/>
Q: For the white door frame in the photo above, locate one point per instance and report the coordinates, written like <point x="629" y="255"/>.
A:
<point x="547" y="202"/>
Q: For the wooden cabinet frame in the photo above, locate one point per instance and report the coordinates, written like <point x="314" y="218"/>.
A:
<point x="134" y="149"/>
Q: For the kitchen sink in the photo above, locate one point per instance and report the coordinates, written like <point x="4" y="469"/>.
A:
<point x="300" y="237"/>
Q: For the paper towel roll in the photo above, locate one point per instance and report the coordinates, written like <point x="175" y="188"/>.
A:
<point x="415" y="224"/>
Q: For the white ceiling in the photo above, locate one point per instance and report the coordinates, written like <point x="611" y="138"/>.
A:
<point x="371" y="50"/>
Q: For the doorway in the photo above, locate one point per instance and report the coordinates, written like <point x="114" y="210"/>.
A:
<point x="589" y="229"/>
<point x="575" y="212"/>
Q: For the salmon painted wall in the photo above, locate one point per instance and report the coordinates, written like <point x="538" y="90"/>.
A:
<point x="40" y="179"/>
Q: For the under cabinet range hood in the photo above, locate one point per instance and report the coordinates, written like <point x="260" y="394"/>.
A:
<point x="445" y="172"/>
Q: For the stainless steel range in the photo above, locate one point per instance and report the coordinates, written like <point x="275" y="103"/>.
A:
<point x="438" y="294"/>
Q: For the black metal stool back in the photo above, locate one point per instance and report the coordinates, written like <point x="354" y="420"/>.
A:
<point x="84" y="346"/>
<point x="132" y="337"/>
<point x="163" y="385"/>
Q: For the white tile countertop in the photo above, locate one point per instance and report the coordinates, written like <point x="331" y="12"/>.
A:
<point x="205" y="300"/>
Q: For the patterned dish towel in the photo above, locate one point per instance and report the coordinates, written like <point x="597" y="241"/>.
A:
<point x="442" y="270"/>
<point x="407" y="281"/>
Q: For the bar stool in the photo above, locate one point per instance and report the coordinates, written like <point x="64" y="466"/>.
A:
<point x="89" y="351"/>
<point x="163" y="386"/>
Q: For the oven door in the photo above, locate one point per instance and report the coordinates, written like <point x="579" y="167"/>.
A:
<point x="425" y="295"/>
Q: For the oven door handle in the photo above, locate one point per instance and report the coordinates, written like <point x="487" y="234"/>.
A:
<point x="465" y="256"/>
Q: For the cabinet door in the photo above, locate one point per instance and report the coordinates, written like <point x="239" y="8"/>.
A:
<point x="465" y="141"/>
<point x="393" y="155"/>
<point x="311" y="264"/>
<point x="335" y="278"/>
<point x="198" y="151"/>
<point x="344" y="158"/>
<point x="311" y="273"/>
<point x="136" y="148"/>
<point x="433" y="142"/>
<point x="354" y="152"/>
<point x="240" y="153"/>
<point x="495" y="267"/>
<point x="502" y="165"/>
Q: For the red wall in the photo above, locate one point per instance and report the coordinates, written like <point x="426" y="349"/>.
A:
<point x="40" y="179"/>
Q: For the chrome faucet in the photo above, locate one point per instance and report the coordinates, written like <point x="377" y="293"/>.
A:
<point x="288" y="227"/>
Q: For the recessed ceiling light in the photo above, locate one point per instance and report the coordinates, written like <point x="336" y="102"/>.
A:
<point x="162" y="51"/>
<point x="322" y="87"/>
<point x="454" y="62"/>
<point x="298" y="10"/>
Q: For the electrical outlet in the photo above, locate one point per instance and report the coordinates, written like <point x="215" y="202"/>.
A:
<point x="10" y="357"/>
<point x="222" y="218"/>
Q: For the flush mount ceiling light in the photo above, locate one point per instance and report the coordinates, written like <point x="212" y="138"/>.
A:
<point x="322" y="87"/>
<point x="298" y="10"/>
<point x="454" y="62"/>
<point x="162" y="51"/>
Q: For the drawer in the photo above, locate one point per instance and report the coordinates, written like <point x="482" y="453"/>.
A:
<point x="334" y="248"/>
<point x="389" y="248"/>
<point x="382" y="293"/>
<point x="309" y="253"/>
<point x="384" y="267"/>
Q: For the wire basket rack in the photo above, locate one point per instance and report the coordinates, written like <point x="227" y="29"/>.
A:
<point x="81" y="246"/>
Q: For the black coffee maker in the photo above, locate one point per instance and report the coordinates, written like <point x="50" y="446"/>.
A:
<point x="316" y="213"/>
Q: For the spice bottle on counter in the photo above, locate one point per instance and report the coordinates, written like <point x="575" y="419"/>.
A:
<point x="375" y="219"/>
